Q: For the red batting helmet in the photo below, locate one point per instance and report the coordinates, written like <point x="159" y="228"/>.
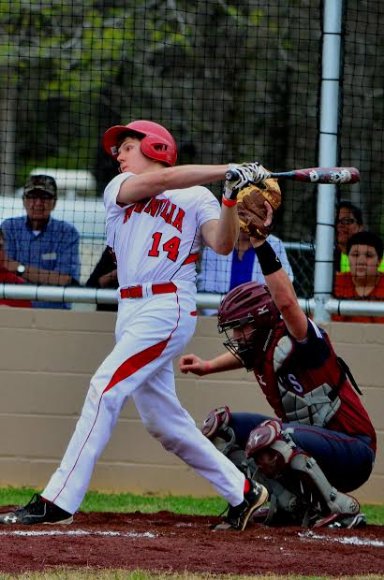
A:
<point x="248" y="304"/>
<point x="156" y="141"/>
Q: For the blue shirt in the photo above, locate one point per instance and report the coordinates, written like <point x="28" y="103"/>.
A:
<point x="241" y="270"/>
<point x="55" y="248"/>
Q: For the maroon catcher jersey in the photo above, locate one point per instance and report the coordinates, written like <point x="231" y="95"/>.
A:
<point x="304" y="382"/>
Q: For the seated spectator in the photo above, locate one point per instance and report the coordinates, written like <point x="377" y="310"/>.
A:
<point x="364" y="281"/>
<point x="7" y="277"/>
<point x="40" y="248"/>
<point x="219" y="274"/>
<point x="104" y="275"/>
<point x="349" y="221"/>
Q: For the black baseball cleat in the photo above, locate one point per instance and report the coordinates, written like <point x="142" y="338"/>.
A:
<point x="37" y="511"/>
<point x="238" y="517"/>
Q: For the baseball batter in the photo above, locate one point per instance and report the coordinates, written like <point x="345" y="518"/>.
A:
<point x="157" y="217"/>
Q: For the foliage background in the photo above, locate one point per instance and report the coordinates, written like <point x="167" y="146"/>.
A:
<point x="233" y="80"/>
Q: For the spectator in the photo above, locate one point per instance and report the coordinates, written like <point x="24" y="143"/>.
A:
<point x="40" y="248"/>
<point x="349" y="221"/>
<point x="104" y="275"/>
<point x="364" y="281"/>
<point x="219" y="274"/>
<point x="7" y="277"/>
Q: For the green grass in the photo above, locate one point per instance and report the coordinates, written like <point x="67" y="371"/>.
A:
<point x="66" y="574"/>
<point x="128" y="502"/>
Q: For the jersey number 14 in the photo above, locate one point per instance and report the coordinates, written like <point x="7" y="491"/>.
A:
<point x="171" y="247"/>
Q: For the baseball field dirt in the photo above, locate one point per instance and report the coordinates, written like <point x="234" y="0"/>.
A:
<point x="167" y="542"/>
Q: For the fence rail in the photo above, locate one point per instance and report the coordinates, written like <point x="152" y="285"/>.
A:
<point x="210" y="301"/>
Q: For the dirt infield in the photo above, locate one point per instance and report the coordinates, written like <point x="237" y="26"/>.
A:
<point x="166" y="542"/>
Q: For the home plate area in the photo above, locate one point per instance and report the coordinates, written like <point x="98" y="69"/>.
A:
<point x="168" y="542"/>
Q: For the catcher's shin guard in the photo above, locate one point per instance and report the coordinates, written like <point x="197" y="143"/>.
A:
<point x="276" y="455"/>
<point x="336" y="501"/>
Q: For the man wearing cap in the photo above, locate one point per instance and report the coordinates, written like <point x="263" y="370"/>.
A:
<point x="40" y="248"/>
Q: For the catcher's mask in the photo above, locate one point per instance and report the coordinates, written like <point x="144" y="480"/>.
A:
<point x="156" y="142"/>
<point x="248" y="317"/>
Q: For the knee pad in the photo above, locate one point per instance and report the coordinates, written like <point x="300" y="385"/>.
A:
<point x="271" y="448"/>
<point x="216" y="428"/>
<point x="217" y="420"/>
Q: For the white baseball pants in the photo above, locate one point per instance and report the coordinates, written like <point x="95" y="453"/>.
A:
<point x="150" y="333"/>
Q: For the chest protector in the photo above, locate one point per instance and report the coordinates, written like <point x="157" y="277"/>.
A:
<point x="300" y="387"/>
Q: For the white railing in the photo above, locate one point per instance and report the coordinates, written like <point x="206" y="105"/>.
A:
<point x="77" y="294"/>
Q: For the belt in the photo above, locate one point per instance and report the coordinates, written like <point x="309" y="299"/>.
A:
<point x="148" y="290"/>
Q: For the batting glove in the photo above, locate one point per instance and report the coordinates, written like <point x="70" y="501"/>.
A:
<point x="259" y="172"/>
<point x="238" y="176"/>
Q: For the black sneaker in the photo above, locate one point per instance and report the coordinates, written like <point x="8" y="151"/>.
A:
<point x="37" y="511"/>
<point x="238" y="517"/>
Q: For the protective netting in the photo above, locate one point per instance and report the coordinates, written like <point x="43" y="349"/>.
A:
<point x="233" y="81"/>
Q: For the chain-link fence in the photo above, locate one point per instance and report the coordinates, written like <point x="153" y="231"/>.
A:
<point x="233" y="81"/>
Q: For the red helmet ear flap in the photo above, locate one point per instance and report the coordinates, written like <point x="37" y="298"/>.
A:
<point x="159" y="149"/>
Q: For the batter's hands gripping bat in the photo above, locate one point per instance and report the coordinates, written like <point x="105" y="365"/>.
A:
<point x="334" y="175"/>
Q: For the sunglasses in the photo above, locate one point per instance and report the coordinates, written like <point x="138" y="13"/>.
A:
<point x="39" y="195"/>
<point x="347" y="221"/>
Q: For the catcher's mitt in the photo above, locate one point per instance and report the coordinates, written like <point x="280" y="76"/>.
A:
<point x="251" y="208"/>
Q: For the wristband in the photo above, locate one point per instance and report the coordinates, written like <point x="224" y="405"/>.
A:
<point x="269" y="262"/>
<point x="229" y="202"/>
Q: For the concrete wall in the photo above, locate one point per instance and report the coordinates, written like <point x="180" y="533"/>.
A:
<point x="47" y="358"/>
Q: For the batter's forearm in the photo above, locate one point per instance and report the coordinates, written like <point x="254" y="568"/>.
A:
<point x="227" y="231"/>
<point x="154" y="182"/>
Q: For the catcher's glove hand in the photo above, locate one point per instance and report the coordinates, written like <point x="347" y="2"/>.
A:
<point x="252" y="210"/>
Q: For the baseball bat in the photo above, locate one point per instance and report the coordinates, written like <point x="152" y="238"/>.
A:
<point x="335" y="175"/>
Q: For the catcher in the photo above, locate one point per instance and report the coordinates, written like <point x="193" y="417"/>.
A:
<point x="322" y="444"/>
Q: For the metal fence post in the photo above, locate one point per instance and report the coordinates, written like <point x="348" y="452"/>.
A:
<point x="328" y="154"/>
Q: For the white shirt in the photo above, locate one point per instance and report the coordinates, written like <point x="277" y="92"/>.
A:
<point x="153" y="238"/>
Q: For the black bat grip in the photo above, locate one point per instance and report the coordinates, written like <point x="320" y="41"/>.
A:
<point x="231" y="175"/>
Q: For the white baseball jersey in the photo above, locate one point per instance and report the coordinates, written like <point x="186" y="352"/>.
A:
<point x="156" y="237"/>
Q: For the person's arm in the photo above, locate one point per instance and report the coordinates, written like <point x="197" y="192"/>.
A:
<point x="150" y="184"/>
<point x="46" y="277"/>
<point x="104" y="274"/>
<point x="281" y="253"/>
<point x="191" y="363"/>
<point x="67" y="267"/>
<point x="38" y="275"/>
<point x="220" y="235"/>
<point x="281" y="289"/>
